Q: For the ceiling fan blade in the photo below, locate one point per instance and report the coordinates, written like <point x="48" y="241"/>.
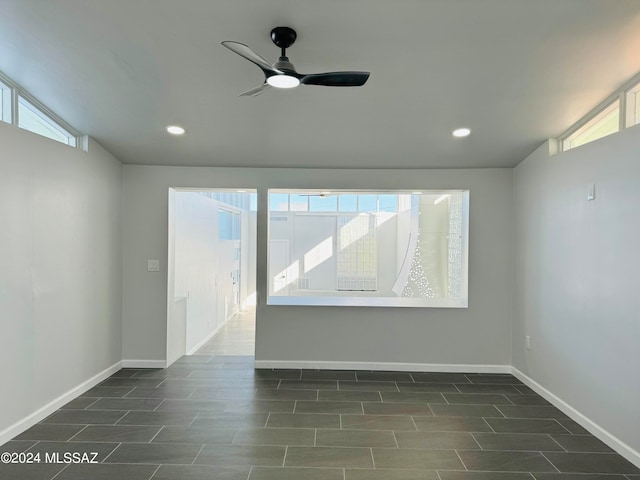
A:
<point x="336" y="79"/>
<point x="254" y="92"/>
<point x="244" y="51"/>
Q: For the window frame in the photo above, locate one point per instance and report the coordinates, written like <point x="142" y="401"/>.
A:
<point x="341" y="297"/>
<point x="628" y="96"/>
<point x="14" y="93"/>
<point x="633" y="105"/>
<point x="45" y="119"/>
<point x="593" y="123"/>
<point x="6" y="109"/>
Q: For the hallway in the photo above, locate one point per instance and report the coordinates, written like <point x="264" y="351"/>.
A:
<point x="236" y="337"/>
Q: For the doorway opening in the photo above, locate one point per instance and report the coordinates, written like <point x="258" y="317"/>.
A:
<point x="212" y="272"/>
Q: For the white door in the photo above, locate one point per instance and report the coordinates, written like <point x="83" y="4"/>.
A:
<point x="278" y="267"/>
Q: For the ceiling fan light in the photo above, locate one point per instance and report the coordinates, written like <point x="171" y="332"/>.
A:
<point x="283" y="81"/>
<point x="461" y="132"/>
<point x="175" y="130"/>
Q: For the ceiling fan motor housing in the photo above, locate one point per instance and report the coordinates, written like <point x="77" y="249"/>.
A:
<point x="284" y="65"/>
<point x="283" y="37"/>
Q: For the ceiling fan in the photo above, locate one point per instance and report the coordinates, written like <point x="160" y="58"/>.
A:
<point x="282" y="74"/>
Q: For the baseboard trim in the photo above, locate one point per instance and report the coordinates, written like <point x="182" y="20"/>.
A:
<point x="201" y="343"/>
<point x="618" y="445"/>
<point x="144" y="363"/>
<point x="386" y="366"/>
<point x="43" y="412"/>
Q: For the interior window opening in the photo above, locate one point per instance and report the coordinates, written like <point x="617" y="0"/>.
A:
<point x="368" y="248"/>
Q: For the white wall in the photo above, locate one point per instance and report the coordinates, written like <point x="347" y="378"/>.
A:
<point x="479" y="335"/>
<point x="576" y="282"/>
<point x="60" y="270"/>
<point x="196" y="263"/>
<point x="248" y="259"/>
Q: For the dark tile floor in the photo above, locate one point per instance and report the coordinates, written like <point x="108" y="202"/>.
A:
<point x="215" y="417"/>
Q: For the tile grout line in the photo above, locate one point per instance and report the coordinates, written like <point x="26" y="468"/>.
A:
<point x="267" y="421"/>
<point x="565" y="428"/>
<point x="37" y="442"/>
<point x="111" y="452"/>
<point x="158" y="406"/>
<point x="157" y="433"/>
<point x="63" y="469"/>
<point x="250" y="472"/>
<point x="552" y="464"/>
<point x="372" y="460"/>
<point x="117" y="421"/>
<point x="431" y="410"/>
<point x="93" y="403"/>
<point x="284" y="459"/>
<point x="154" y="472"/>
<point x="501" y="412"/>
<point x="414" y="423"/>
<point x="476" y="440"/>
<point x="77" y="433"/>
<point x="129" y="392"/>
<point x="461" y="461"/>
<point x="551" y="437"/>
<point x="197" y="415"/>
<point x="488" y="424"/>
<point x="198" y="454"/>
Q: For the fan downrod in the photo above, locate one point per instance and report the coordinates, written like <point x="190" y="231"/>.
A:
<point x="283" y="37"/>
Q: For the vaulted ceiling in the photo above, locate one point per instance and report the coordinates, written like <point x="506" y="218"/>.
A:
<point x="515" y="71"/>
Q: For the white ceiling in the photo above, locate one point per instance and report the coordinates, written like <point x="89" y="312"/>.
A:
<point x="515" y="71"/>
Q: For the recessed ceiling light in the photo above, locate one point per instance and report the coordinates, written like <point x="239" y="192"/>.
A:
<point x="461" y="132"/>
<point x="175" y="130"/>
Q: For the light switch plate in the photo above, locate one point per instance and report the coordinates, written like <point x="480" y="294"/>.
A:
<point x="591" y="192"/>
<point x="153" y="265"/>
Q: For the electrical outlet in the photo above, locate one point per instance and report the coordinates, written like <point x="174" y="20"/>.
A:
<point x="527" y="342"/>
<point x="153" y="265"/>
